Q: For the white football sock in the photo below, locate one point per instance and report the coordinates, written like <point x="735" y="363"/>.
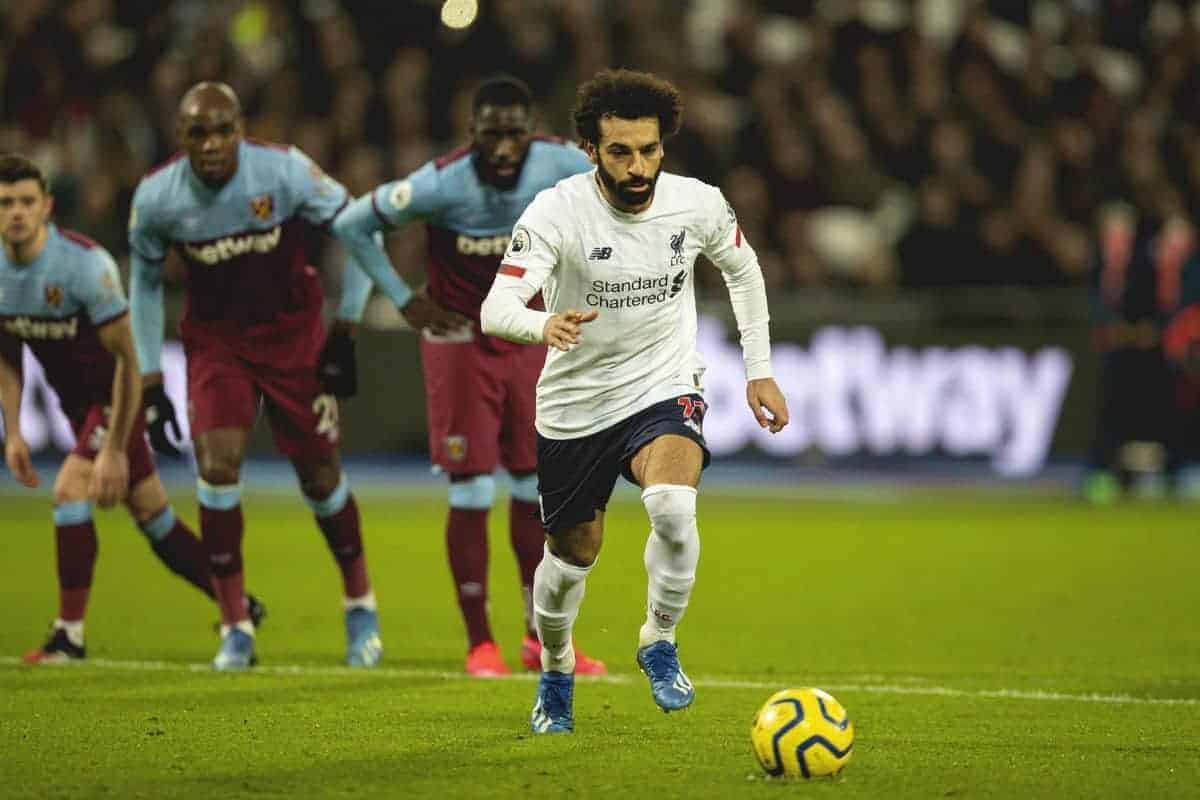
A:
<point x="672" y="552"/>
<point x="557" y="593"/>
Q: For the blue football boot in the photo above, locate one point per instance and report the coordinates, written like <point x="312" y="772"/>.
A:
<point x="364" y="647"/>
<point x="553" y="711"/>
<point x="236" y="653"/>
<point x="671" y="688"/>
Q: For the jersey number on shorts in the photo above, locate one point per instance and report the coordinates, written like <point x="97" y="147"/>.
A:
<point x="326" y="409"/>
<point x="693" y="413"/>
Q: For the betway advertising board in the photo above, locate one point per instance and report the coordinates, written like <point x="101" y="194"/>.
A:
<point x="850" y="393"/>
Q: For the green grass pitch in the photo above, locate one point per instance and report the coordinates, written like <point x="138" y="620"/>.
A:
<point x="985" y="646"/>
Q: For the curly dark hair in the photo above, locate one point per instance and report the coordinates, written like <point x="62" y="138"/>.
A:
<point x="626" y="94"/>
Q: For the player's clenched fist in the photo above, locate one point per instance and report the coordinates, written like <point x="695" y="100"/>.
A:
<point x="565" y="330"/>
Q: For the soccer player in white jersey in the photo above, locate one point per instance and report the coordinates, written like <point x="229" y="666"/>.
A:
<point x="613" y="250"/>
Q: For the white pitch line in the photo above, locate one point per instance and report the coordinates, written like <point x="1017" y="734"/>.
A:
<point x="708" y="682"/>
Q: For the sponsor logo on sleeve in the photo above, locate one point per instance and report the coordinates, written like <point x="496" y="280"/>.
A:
<point x="401" y="195"/>
<point x="521" y="242"/>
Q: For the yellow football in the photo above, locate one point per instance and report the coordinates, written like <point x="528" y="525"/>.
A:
<point x="802" y="733"/>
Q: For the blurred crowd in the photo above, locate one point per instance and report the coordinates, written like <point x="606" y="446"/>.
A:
<point x="868" y="143"/>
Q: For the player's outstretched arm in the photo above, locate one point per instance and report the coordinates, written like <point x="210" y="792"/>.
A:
<point x="504" y="312"/>
<point x="728" y="249"/>
<point x="767" y="403"/>
<point x="16" y="450"/>
<point x="356" y="228"/>
<point x="110" y="474"/>
<point x="532" y="257"/>
<point x="359" y="228"/>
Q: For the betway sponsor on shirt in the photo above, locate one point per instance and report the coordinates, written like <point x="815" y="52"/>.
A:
<point x="234" y="246"/>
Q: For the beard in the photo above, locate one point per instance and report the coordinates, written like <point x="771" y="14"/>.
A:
<point x="630" y="192"/>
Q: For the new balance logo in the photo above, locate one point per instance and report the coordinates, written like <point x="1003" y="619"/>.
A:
<point x="600" y="254"/>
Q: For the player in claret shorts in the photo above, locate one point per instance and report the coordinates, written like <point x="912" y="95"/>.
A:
<point x="237" y="214"/>
<point x="61" y="297"/>
<point x="613" y="252"/>
<point x="479" y="389"/>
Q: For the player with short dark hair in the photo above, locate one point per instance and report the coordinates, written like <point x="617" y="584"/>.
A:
<point x="479" y="390"/>
<point x="61" y="296"/>
<point x="614" y="250"/>
<point x="237" y="212"/>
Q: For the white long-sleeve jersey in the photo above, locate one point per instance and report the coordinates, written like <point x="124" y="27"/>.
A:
<point x="636" y="270"/>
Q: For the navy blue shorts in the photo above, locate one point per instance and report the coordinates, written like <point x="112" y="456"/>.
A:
<point x="577" y="476"/>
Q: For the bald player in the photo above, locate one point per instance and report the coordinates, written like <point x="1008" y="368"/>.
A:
<point x="236" y="212"/>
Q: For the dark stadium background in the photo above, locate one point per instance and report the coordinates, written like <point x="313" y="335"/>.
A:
<point x="943" y="173"/>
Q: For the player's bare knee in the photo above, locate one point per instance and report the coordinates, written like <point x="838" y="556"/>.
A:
<point x="220" y="468"/>
<point x="578" y="546"/>
<point x="147" y="499"/>
<point x="319" y="487"/>
<point x="318" y="478"/>
<point x="669" y="459"/>
<point x="69" y="494"/>
<point x="672" y="511"/>
<point x="71" y="484"/>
